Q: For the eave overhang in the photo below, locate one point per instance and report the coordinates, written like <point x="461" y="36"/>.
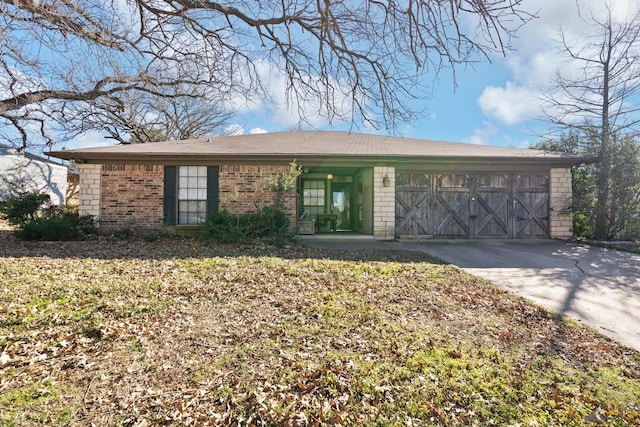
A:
<point x="324" y="160"/>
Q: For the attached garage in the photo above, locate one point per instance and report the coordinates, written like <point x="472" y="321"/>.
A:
<point x="472" y="204"/>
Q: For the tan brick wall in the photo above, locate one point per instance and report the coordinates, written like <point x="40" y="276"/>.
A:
<point x="247" y="189"/>
<point x="132" y="196"/>
<point x="89" y="190"/>
<point x="560" y="200"/>
<point x="384" y="203"/>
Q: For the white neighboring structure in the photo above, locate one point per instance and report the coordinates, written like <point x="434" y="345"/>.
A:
<point x="32" y="173"/>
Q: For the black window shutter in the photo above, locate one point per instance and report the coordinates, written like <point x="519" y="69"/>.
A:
<point x="170" y="203"/>
<point x="212" y="189"/>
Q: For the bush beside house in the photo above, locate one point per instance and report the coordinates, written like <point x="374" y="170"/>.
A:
<point x="34" y="220"/>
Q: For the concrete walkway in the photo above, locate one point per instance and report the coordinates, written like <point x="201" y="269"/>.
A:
<point x="599" y="287"/>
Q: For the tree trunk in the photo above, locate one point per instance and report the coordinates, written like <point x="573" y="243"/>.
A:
<point x="601" y="231"/>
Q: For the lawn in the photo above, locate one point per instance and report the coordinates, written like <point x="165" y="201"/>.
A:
<point x="176" y="331"/>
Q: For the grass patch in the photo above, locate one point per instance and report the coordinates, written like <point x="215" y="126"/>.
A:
<point x="185" y="332"/>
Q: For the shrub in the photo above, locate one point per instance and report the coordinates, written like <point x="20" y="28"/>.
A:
<point x="48" y="228"/>
<point x="224" y="227"/>
<point x="270" y="224"/>
<point x="57" y="224"/>
<point x="21" y="208"/>
<point x="581" y="227"/>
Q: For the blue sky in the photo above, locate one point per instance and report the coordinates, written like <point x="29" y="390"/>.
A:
<point x="451" y="114"/>
<point x="494" y="103"/>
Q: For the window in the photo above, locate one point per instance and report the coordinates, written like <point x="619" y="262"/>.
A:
<point x="192" y="194"/>
<point x="313" y="192"/>
<point x="313" y="197"/>
<point x="185" y="188"/>
<point x="453" y="181"/>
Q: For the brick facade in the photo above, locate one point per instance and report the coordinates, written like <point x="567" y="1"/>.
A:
<point x="132" y="196"/>
<point x="384" y="203"/>
<point x="560" y="201"/>
<point x="123" y="196"/>
<point x="89" y="191"/>
<point x="247" y="189"/>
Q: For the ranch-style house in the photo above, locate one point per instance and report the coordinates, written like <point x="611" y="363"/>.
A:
<point x="380" y="186"/>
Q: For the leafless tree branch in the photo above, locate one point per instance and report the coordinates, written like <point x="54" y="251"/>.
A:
<point x="352" y="61"/>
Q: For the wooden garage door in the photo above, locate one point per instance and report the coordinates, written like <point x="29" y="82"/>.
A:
<point x="472" y="205"/>
<point x="490" y="209"/>
<point x="413" y="200"/>
<point x="451" y="208"/>
<point x="531" y="209"/>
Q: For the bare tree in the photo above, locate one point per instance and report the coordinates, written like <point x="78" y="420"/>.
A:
<point x="600" y="98"/>
<point x="142" y="117"/>
<point x="369" y="55"/>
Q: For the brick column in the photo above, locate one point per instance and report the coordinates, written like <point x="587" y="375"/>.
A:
<point x="89" y="192"/>
<point x="560" y="201"/>
<point x="384" y="203"/>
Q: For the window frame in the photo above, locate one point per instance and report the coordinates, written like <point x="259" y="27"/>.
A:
<point x="191" y="195"/>
<point x="322" y="198"/>
<point x="170" y="193"/>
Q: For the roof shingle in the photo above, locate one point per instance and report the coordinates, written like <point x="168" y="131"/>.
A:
<point x="309" y="144"/>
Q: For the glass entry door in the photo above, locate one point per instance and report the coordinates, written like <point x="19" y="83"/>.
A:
<point x="333" y="201"/>
<point x="341" y="205"/>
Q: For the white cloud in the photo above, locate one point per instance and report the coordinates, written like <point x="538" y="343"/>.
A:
<point x="255" y="131"/>
<point x="89" y="139"/>
<point x="621" y="10"/>
<point x="532" y="64"/>
<point x="481" y="136"/>
<point x="292" y="112"/>
<point x="511" y="104"/>
<point x="535" y="69"/>
<point x="288" y="112"/>
<point x="92" y="138"/>
<point x="21" y="82"/>
<point x="236" y="129"/>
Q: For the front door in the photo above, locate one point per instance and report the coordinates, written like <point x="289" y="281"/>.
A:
<point x="339" y="199"/>
<point x="342" y="205"/>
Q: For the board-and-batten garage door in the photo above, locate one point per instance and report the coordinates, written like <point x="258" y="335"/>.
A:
<point x="472" y="204"/>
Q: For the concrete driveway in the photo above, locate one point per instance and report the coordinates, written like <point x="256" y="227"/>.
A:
<point x="599" y="287"/>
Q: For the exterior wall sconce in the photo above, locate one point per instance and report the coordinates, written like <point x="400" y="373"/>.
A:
<point x="329" y="176"/>
<point x="386" y="181"/>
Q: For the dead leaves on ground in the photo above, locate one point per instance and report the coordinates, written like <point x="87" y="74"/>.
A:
<point x="182" y="333"/>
